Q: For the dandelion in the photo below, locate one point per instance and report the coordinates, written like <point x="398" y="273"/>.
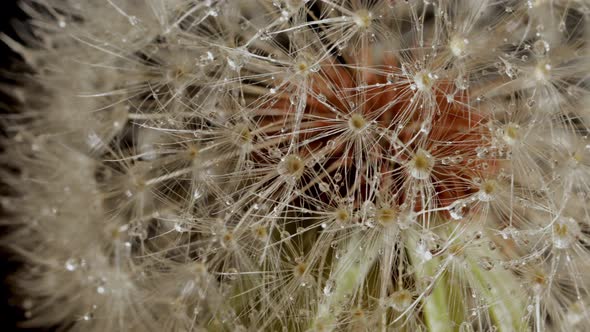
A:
<point x="301" y="165"/>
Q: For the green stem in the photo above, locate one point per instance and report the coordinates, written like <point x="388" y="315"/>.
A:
<point x="437" y="311"/>
<point x="349" y="273"/>
<point x="506" y="302"/>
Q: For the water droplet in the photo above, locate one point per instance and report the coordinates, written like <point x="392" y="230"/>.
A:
<point x="481" y="152"/>
<point x="244" y="24"/>
<point x="462" y="83"/>
<point x="466" y="327"/>
<point x="541" y="47"/>
<point x="422" y="251"/>
<point x="264" y="35"/>
<point x="133" y="20"/>
<point x="232" y="273"/>
<point x="510" y="71"/>
<point x="248" y="164"/>
<point x="71" y="264"/>
<point x="509" y="232"/>
<point x="530" y="103"/>
<point x="390" y="78"/>
<point x="235" y="62"/>
<point x="328" y="287"/>
<point x="486" y="263"/>
<point x="315" y="68"/>
<point x="180" y="227"/>
<point x="425" y="127"/>
<point x="458" y="209"/>
<point x="197" y="193"/>
<point x="275" y="152"/>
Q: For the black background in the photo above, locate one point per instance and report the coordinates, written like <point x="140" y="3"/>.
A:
<point x="10" y="313"/>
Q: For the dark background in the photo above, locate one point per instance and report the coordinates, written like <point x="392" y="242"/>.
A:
<point x="10" y="313"/>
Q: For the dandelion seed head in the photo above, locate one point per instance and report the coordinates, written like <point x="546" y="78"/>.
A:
<point x="300" y="165"/>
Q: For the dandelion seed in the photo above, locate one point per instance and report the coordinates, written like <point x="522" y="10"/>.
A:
<point x="386" y="216"/>
<point x="512" y="134"/>
<point x="363" y="18"/>
<point x="423" y="80"/>
<point x="357" y="122"/>
<point x="291" y="167"/>
<point x="458" y="46"/>
<point x="400" y="300"/>
<point x="421" y="165"/>
<point x="488" y="190"/>
<point x="565" y="232"/>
